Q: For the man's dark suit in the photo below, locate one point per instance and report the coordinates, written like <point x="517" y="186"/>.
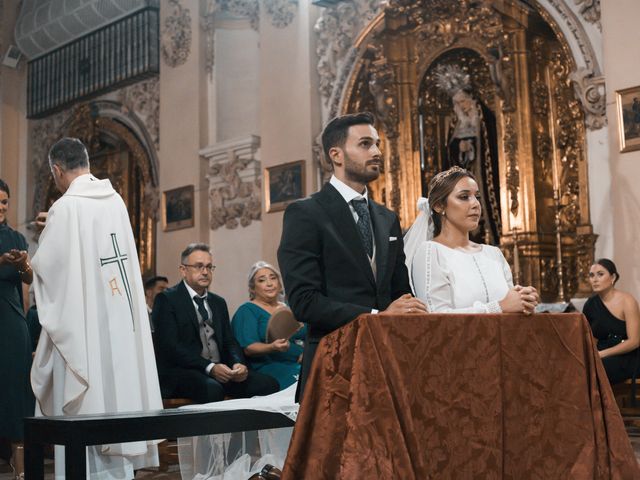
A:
<point x="181" y="368"/>
<point x="326" y="272"/>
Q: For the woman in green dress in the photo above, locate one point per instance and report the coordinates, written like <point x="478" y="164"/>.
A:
<point x="16" y="399"/>
<point x="280" y="358"/>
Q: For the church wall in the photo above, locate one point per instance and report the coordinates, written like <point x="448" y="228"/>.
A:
<point x="289" y="105"/>
<point x="181" y="99"/>
<point x="13" y="123"/>
<point x="236" y="90"/>
<point x="622" y="70"/>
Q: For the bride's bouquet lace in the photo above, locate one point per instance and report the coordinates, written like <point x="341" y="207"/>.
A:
<point x="421" y="230"/>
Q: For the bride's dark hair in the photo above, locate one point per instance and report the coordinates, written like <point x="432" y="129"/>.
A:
<point x="439" y="189"/>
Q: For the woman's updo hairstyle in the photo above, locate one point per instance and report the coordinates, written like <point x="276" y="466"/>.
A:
<point x="440" y="188"/>
<point x="610" y="267"/>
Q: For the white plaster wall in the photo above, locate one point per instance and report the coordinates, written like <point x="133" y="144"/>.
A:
<point x="236" y="100"/>
<point x="237" y="58"/>
<point x="621" y="37"/>
<point x="182" y="96"/>
<point x="289" y="105"/>
<point x="234" y="251"/>
<point x="13" y="124"/>
<point x="600" y="191"/>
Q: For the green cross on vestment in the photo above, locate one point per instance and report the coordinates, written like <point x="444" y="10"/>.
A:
<point x="119" y="258"/>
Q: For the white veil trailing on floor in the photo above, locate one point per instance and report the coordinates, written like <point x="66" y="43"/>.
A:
<point x="421" y="231"/>
<point x="236" y="456"/>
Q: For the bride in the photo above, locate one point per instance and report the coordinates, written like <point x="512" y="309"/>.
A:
<point x="449" y="272"/>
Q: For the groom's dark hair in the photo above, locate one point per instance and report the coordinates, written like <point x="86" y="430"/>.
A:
<point x="336" y="132"/>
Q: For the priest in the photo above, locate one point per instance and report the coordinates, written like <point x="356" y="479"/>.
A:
<point x="95" y="353"/>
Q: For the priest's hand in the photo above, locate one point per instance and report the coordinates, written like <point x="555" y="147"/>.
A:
<point x="407" y="303"/>
<point x="41" y="220"/>
<point x="221" y="373"/>
<point x="240" y="372"/>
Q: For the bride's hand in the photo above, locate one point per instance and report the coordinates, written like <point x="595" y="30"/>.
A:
<point x="517" y="300"/>
<point x="530" y="295"/>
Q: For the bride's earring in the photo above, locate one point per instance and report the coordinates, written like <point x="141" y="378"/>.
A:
<point x="444" y="214"/>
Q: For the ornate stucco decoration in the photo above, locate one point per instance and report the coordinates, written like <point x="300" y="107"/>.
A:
<point x="207" y="22"/>
<point x="176" y="34"/>
<point x="143" y="98"/>
<point x="590" y="91"/>
<point x="282" y="12"/>
<point x="573" y="28"/>
<point x="45" y="132"/>
<point x="235" y="183"/>
<point x="383" y="88"/>
<point x="336" y="30"/>
<point x="241" y="8"/>
<point x="590" y="10"/>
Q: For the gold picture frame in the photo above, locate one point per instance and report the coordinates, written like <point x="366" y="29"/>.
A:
<point x="284" y="184"/>
<point x="628" y="103"/>
<point x="178" y="208"/>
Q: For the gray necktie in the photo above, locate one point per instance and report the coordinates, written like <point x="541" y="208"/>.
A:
<point x="364" y="224"/>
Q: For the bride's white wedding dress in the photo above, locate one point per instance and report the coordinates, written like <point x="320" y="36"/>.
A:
<point x="453" y="281"/>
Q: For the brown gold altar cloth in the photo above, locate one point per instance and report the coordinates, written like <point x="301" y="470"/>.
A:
<point x="459" y="397"/>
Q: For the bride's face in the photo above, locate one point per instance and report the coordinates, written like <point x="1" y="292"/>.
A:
<point x="463" y="209"/>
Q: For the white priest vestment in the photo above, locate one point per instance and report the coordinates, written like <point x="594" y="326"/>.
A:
<point x="95" y="354"/>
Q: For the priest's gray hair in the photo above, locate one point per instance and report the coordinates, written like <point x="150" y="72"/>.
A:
<point x="69" y="154"/>
<point x="252" y="278"/>
<point x="193" y="247"/>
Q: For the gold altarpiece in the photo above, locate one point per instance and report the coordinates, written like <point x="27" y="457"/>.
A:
<point x="117" y="154"/>
<point x="519" y="66"/>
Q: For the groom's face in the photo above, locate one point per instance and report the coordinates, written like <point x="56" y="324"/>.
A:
<point x="362" y="159"/>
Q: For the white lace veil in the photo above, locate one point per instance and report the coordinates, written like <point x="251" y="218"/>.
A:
<point x="421" y="230"/>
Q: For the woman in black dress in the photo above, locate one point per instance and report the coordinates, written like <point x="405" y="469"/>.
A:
<point x="16" y="397"/>
<point x="614" y="317"/>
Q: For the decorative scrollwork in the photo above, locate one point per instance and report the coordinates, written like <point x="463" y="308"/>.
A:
<point x="589" y="9"/>
<point x="143" y="98"/>
<point x="176" y="34"/>
<point x="513" y="171"/>
<point x="336" y="30"/>
<point x="383" y="88"/>
<point x="282" y="12"/>
<point x="590" y="91"/>
<point x="235" y="183"/>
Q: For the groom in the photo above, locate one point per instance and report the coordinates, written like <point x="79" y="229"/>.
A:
<point x="341" y="253"/>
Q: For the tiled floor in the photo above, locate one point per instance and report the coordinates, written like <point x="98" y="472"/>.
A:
<point x="174" y="472"/>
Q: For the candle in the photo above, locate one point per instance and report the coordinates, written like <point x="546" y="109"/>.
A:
<point x="516" y="258"/>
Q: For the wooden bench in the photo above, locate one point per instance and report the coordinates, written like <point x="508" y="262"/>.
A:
<point x="78" y="432"/>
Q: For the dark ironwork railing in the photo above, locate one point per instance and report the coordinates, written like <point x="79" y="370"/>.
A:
<point x="113" y="56"/>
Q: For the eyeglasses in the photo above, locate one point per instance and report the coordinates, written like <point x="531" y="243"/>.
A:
<point x="200" y="267"/>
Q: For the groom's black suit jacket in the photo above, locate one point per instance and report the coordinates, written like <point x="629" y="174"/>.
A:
<point x="327" y="275"/>
<point x="177" y="331"/>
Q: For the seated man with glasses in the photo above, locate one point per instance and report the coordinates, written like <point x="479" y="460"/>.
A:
<point x="197" y="355"/>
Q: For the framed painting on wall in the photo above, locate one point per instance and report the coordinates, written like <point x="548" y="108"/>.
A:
<point x="284" y="184"/>
<point x="628" y="102"/>
<point x="178" y="208"/>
